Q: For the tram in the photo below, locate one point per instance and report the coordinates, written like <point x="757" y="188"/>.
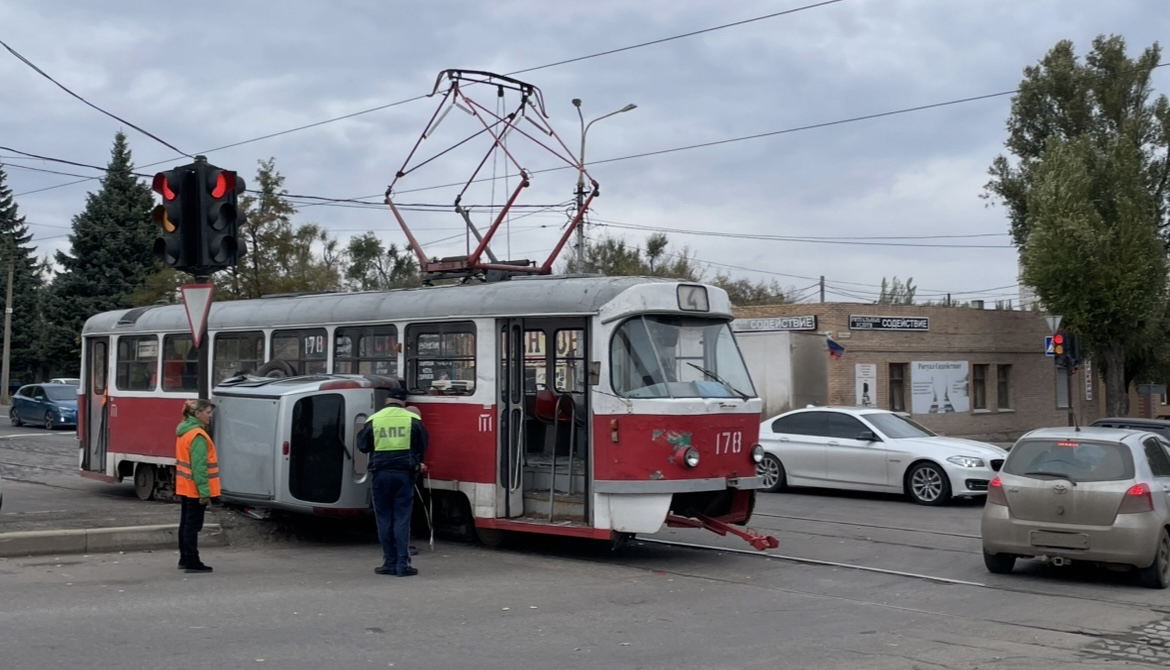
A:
<point x="586" y="406"/>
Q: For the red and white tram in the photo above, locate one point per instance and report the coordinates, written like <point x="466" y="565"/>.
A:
<point x="594" y="407"/>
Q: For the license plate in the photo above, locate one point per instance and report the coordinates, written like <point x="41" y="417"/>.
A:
<point x="1042" y="538"/>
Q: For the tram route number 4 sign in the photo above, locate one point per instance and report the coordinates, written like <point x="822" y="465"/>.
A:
<point x="197" y="302"/>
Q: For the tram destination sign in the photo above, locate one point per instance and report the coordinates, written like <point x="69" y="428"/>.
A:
<point x="775" y="323"/>
<point x="908" y="323"/>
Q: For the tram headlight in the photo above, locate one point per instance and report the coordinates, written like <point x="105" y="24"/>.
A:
<point x="691" y="457"/>
<point x="757" y="454"/>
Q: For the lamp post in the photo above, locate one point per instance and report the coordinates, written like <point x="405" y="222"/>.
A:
<point x="580" y="266"/>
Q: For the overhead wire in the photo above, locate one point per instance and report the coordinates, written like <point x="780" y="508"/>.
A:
<point x="404" y="101"/>
<point x="61" y="86"/>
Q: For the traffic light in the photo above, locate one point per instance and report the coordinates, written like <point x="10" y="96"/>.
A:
<point x="170" y="247"/>
<point x="1066" y="349"/>
<point x="219" y="242"/>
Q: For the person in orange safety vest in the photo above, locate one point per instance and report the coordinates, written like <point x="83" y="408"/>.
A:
<point x="196" y="479"/>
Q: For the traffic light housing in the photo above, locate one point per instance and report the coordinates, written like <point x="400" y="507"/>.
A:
<point x="170" y="246"/>
<point x="220" y="245"/>
<point x="1066" y="349"/>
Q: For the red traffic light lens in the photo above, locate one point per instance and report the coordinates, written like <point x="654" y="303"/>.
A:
<point x="224" y="182"/>
<point x="162" y="186"/>
<point x="1058" y="339"/>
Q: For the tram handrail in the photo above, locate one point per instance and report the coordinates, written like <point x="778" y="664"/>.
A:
<point x="552" y="485"/>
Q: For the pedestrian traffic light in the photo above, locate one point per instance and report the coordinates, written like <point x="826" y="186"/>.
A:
<point x="219" y="243"/>
<point x="170" y="246"/>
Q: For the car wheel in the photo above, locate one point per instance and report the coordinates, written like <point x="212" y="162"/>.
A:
<point x="772" y="471"/>
<point x="49" y="425"/>
<point x="927" y="484"/>
<point x="14" y="417"/>
<point x="1000" y="564"/>
<point x="1157" y="576"/>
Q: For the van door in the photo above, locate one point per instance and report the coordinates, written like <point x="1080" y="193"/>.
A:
<point x="97" y="410"/>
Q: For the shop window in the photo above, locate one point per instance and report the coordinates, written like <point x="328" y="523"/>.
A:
<point x="979" y="387"/>
<point x="1003" y="381"/>
<point x="898" y="387"/>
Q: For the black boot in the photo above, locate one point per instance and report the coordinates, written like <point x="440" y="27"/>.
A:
<point x="197" y="567"/>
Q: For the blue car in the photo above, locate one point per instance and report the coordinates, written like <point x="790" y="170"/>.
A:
<point x="48" y="405"/>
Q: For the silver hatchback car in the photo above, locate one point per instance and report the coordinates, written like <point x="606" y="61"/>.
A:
<point x="1099" y="495"/>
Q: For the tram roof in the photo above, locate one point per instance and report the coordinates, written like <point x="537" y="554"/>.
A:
<point x="551" y="295"/>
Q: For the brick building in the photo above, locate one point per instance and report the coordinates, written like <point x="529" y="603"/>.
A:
<point x="961" y="371"/>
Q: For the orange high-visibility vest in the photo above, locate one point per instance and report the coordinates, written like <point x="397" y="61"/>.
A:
<point x="184" y="480"/>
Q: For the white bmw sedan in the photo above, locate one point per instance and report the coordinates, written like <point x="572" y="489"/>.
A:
<point x="873" y="450"/>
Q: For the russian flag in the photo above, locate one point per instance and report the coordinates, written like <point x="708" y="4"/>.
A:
<point x="835" y="350"/>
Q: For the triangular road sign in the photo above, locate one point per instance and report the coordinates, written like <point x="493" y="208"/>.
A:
<point x="1053" y="322"/>
<point x="197" y="302"/>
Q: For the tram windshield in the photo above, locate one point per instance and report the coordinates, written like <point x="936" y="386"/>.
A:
<point x="677" y="357"/>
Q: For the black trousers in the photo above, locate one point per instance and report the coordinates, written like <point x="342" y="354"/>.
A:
<point x="190" y="523"/>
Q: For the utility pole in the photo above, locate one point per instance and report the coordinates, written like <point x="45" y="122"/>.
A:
<point x="822" y="288"/>
<point x="5" y="371"/>
<point x="580" y="264"/>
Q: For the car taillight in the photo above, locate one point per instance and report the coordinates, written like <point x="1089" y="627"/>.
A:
<point x="995" y="494"/>
<point x="1139" y="498"/>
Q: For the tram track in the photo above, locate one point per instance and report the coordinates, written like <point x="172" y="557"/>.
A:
<point x="857" y="524"/>
<point x="900" y="573"/>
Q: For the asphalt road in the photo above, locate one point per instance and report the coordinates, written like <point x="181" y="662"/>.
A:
<point x="859" y="581"/>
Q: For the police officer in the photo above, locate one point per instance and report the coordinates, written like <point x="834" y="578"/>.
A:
<point x="398" y="441"/>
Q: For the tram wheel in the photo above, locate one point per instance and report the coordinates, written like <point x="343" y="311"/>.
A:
<point x="490" y="537"/>
<point x="144" y="479"/>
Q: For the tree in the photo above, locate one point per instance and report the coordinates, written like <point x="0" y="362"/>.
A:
<point x="612" y="256"/>
<point x="374" y="267"/>
<point x="744" y="292"/>
<point x="109" y="258"/>
<point x="281" y="257"/>
<point x="896" y="293"/>
<point x="24" y="359"/>
<point x="1087" y="200"/>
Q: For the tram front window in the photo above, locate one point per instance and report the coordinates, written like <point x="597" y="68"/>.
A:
<point x="677" y="357"/>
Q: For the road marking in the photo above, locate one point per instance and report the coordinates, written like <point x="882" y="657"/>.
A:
<point x="41" y="434"/>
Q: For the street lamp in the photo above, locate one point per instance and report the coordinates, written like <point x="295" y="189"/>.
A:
<point x="581" y="176"/>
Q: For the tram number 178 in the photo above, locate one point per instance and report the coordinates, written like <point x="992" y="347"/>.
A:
<point x="728" y="442"/>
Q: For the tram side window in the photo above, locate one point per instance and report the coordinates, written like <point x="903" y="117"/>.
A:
<point x="237" y="352"/>
<point x="535" y="365"/>
<point x="180" y="364"/>
<point x="97" y="365"/>
<point x="440" y="358"/>
<point x="306" y="349"/>
<point x="366" y="350"/>
<point x="137" y="364"/>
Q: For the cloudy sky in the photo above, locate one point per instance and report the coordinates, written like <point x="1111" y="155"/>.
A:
<point x="892" y="196"/>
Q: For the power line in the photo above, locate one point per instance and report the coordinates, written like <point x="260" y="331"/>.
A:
<point x="811" y="240"/>
<point x="46" y="75"/>
<point x="421" y="97"/>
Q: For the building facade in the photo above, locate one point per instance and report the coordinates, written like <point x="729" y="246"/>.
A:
<point x="960" y="371"/>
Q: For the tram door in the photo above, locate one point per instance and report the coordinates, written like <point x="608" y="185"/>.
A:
<point x="510" y="474"/>
<point x="97" y="418"/>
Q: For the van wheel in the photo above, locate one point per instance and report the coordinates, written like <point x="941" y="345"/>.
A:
<point x="14" y="417"/>
<point x="144" y="478"/>
<point x="1157" y="576"/>
<point x="927" y="484"/>
<point x="277" y="368"/>
<point x="1000" y="564"/>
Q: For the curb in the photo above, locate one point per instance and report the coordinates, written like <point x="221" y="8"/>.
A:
<point x="102" y="540"/>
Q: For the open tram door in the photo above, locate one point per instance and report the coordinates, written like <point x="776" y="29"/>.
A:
<point x="544" y="455"/>
<point x="95" y="439"/>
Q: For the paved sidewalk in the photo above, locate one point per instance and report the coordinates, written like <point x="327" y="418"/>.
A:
<point x="87" y="517"/>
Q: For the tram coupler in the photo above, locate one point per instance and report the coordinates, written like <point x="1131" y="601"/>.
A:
<point x="758" y="541"/>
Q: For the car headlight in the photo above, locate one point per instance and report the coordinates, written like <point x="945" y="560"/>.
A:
<point x="691" y="457"/>
<point x="757" y="454"/>
<point x="966" y="461"/>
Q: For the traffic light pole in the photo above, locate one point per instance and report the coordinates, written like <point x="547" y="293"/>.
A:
<point x="1072" y="417"/>
<point x="204" y="362"/>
